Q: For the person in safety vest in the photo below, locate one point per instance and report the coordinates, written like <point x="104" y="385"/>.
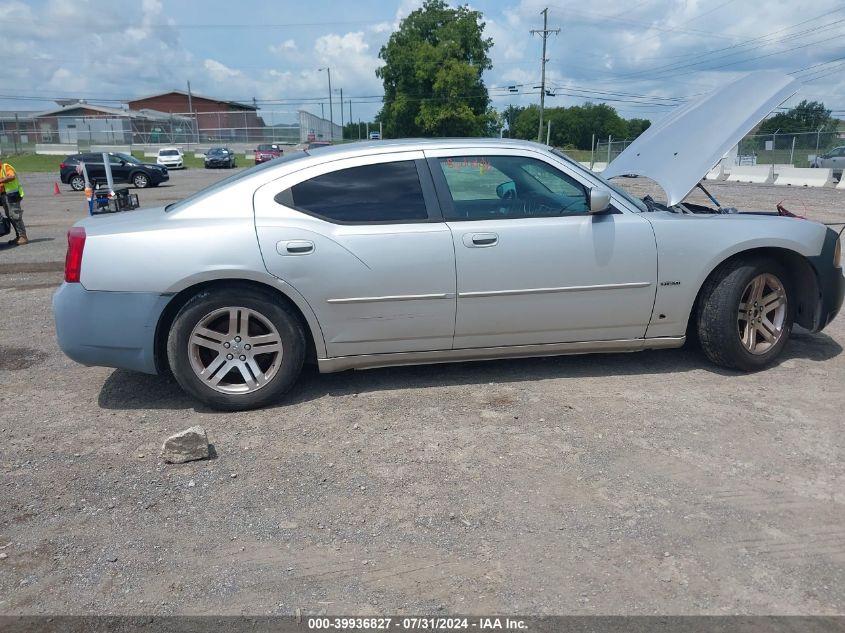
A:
<point x="11" y="194"/>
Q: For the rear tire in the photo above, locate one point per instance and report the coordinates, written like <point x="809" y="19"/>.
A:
<point x="235" y="348"/>
<point x="77" y="183"/>
<point x="745" y="313"/>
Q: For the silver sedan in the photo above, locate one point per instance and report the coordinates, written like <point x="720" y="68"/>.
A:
<point x="404" y="252"/>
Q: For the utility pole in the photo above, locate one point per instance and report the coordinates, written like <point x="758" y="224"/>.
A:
<point x="544" y="33"/>
<point x="331" y="117"/>
<point x="341" y="114"/>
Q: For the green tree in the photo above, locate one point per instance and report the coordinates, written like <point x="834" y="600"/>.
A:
<point x="637" y="127"/>
<point x="432" y="75"/>
<point x="807" y="116"/>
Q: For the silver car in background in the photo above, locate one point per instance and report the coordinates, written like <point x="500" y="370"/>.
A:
<point x="833" y="159"/>
<point x="423" y="251"/>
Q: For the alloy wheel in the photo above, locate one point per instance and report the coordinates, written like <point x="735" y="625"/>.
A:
<point x="235" y="350"/>
<point x="762" y="313"/>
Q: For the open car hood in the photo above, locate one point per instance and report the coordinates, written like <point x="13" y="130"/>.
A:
<point x="678" y="151"/>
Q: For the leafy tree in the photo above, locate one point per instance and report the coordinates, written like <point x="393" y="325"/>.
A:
<point x="574" y="127"/>
<point x="432" y="75"/>
<point x="807" y="116"/>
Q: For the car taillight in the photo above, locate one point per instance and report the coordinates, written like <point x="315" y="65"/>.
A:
<point x="73" y="259"/>
<point x="61" y="165"/>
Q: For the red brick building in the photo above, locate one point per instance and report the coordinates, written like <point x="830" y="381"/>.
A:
<point x="217" y="119"/>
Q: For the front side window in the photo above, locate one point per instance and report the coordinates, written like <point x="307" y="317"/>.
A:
<point x="387" y="192"/>
<point x="500" y="187"/>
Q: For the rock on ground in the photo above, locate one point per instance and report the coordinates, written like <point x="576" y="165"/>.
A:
<point x="185" y="446"/>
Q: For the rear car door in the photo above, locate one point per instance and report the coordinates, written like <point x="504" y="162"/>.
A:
<point x="362" y="240"/>
<point x="533" y="266"/>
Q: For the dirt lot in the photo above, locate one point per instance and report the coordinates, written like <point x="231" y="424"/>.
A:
<point x="620" y="484"/>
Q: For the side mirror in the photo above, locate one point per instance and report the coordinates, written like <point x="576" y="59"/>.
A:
<point x="599" y="199"/>
<point x="507" y="190"/>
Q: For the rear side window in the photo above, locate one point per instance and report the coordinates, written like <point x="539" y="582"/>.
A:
<point x="388" y="192"/>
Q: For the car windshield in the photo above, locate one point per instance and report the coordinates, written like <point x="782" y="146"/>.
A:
<point x="168" y="152"/>
<point x="203" y="193"/>
<point x="217" y="152"/>
<point x="635" y="201"/>
<point x="265" y="148"/>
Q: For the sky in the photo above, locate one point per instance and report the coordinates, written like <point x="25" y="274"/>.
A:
<point x="641" y="56"/>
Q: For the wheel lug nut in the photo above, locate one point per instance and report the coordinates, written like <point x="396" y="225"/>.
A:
<point x="226" y="345"/>
<point x="242" y="357"/>
<point x="229" y="356"/>
<point x="238" y="338"/>
<point x="247" y="346"/>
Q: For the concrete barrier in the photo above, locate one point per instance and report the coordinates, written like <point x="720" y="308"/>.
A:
<point x="599" y="167"/>
<point x="761" y="174"/>
<point x="805" y="177"/>
<point x="717" y="173"/>
<point x="124" y="149"/>
<point x="584" y="163"/>
<point x="780" y="166"/>
<point x="56" y="149"/>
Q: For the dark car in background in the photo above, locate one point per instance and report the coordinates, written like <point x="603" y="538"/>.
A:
<point x="220" y="157"/>
<point x="267" y="151"/>
<point x="318" y="144"/>
<point x="124" y="169"/>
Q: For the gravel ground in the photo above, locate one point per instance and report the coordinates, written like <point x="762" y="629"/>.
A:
<point x="618" y="484"/>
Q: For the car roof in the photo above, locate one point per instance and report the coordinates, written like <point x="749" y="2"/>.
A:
<point x="409" y="144"/>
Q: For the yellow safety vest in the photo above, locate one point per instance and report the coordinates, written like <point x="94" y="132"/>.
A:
<point x="12" y="185"/>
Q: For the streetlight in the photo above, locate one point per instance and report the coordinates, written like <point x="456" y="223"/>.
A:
<point x="331" y="118"/>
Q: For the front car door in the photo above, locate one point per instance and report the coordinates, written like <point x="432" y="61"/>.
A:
<point x="533" y="266"/>
<point x="362" y="240"/>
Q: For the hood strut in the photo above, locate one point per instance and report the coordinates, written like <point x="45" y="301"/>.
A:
<point x="700" y="185"/>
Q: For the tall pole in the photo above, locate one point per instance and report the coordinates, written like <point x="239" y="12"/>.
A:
<point x="191" y="114"/>
<point x="545" y="35"/>
<point x="341" y="114"/>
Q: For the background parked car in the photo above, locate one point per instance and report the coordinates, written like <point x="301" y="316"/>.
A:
<point x="265" y="152"/>
<point x="318" y="144"/>
<point x="835" y="159"/>
<point x="220" y="157"/>
<point x="124" y="169"/>
<point x="170" y="157"/>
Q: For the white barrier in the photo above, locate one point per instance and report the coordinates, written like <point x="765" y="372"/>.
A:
<point x="56" y="149"/>
<point x="761" y="174"/>
<point x="124" y="149"/>
<point x="780" y="166"/>
<point x="599" y="167"/>
<point x="805" y="177"/>
<point x="717" y="173"/>
<point x="841" y="183"/>
<point x="584" y="163"/>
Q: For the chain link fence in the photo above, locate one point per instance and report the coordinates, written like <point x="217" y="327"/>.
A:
<point x="27" y="134"/>
<point x="796" y="149"/>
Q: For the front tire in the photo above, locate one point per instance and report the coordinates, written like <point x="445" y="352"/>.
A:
<point x="235" y="348"/>
<point x="746" y="313"/>
<point x="140" y="180"/>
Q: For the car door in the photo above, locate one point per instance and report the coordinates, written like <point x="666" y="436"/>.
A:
<point x="362" y="241"/>
<point x="533" y="266"/>
<point x="120" y="168"/>
<point x="94" y="167"/>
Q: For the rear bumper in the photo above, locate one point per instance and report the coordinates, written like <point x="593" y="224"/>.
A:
<point x="108" y="329"/>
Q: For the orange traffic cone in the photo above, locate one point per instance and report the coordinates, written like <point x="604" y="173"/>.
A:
<point x="56" y="191"/>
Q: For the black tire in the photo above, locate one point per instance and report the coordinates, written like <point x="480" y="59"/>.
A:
<point x="719" y="330"/>
<point x="140" y="180"/>
<point x="77" y="182"/>
<point x="198" y="308"/>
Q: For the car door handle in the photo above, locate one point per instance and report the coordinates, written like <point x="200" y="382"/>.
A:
<point x="295" y="247"/>
<point x="480" y="240"/>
